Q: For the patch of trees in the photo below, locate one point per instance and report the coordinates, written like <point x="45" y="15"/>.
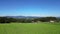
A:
<point x="47" y="19"/>
<point x="28" y="20"/>
<point x="4" y="20"/>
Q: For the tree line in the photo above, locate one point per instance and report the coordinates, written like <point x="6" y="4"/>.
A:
<point x="28" y="20"/>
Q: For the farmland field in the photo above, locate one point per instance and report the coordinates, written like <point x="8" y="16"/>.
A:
<point x="29" y="28"/>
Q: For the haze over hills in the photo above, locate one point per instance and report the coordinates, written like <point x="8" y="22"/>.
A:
<point x="24" y="16"/>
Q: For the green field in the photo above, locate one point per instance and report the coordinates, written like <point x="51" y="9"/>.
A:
<point x="19" y="28"/>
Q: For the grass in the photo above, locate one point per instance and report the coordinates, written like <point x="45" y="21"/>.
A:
<point x="19" y="28"/>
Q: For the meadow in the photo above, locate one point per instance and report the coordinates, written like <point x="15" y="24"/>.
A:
<point x="29" y="28"/>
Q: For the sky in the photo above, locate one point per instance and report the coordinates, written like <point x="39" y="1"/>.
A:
<point x="29" y="7"/>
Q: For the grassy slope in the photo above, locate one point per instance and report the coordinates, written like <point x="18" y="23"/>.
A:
<point x="29" y="29"/>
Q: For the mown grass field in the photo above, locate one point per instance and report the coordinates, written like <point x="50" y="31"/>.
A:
<point x="19" y="28"/>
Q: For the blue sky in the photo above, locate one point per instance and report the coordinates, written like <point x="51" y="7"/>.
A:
<point x="29" y="7"/>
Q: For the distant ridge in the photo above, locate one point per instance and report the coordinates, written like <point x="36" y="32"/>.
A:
<point x="22" y="16"/>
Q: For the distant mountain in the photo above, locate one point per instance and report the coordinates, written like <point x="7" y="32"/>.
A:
<point x="15" y="16"/>
<point x="22" y="16"/>
<point x="57" y="17"/>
